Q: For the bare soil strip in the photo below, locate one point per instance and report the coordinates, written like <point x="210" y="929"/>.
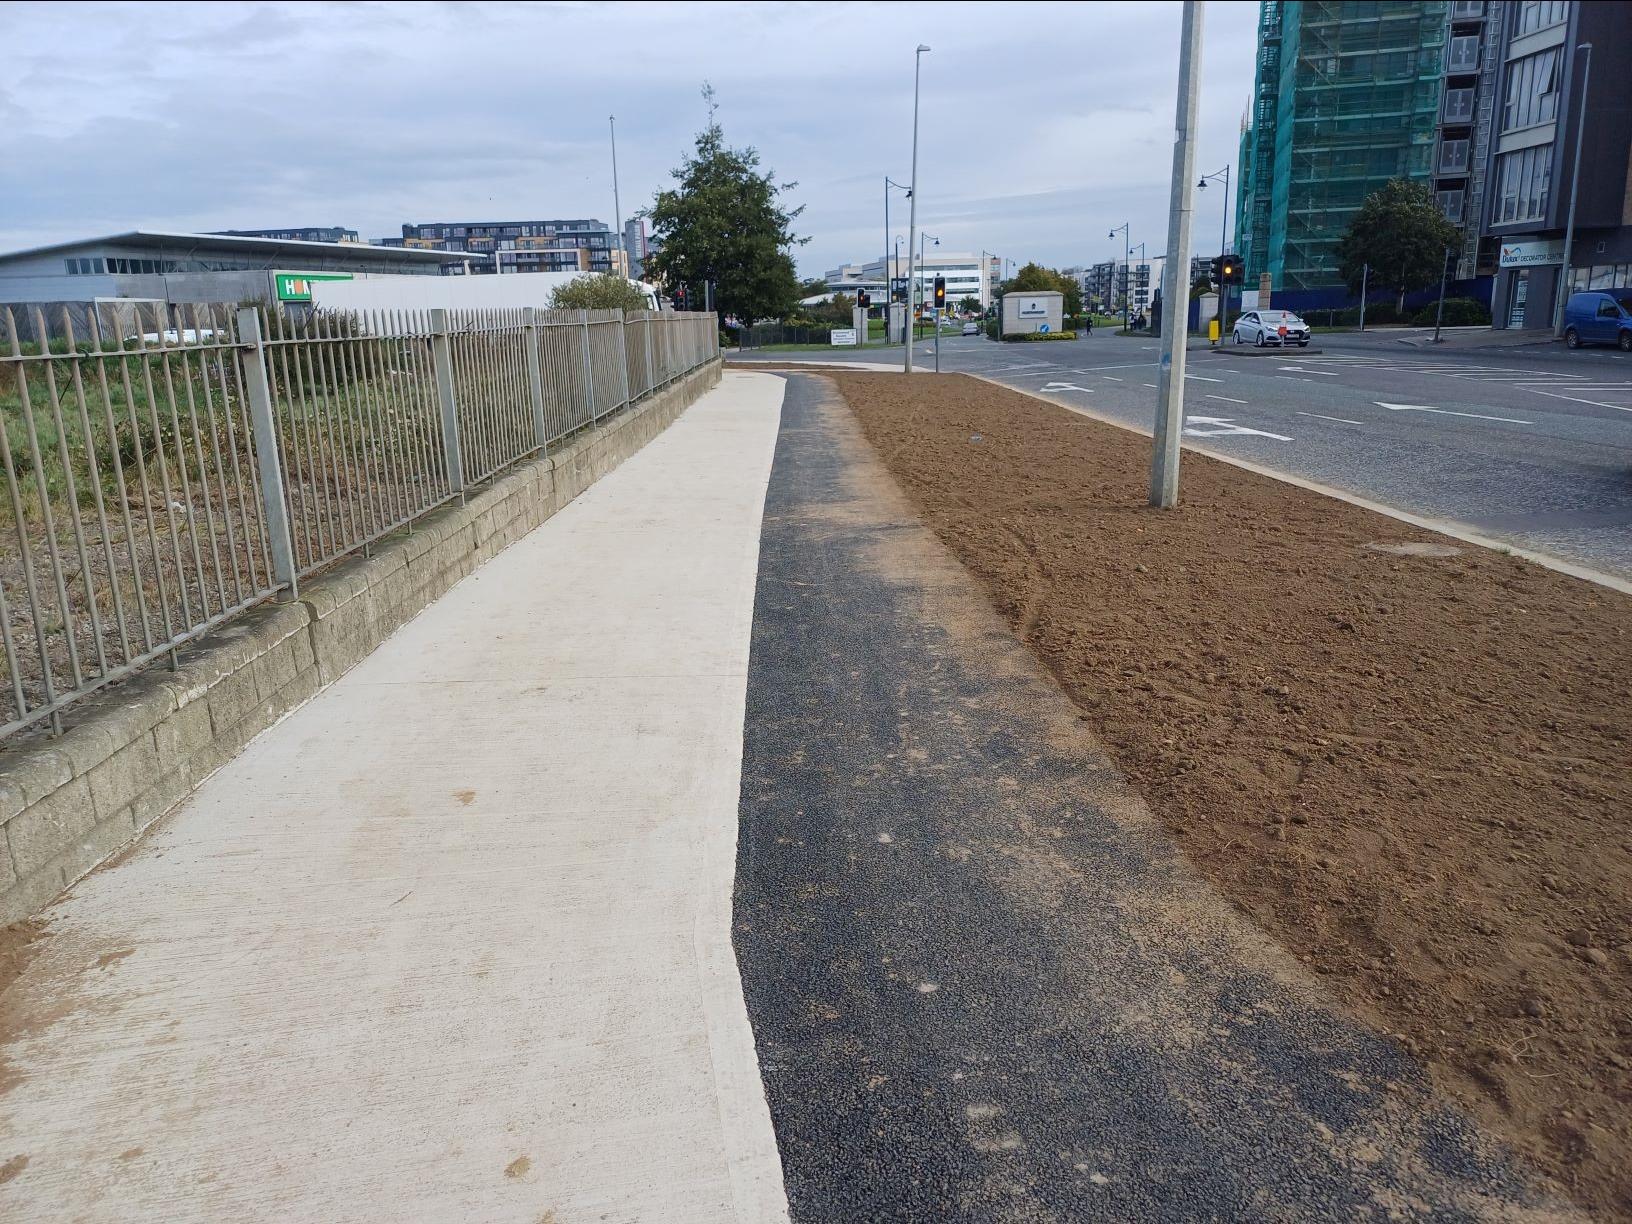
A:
<point x="1411" y="765"/>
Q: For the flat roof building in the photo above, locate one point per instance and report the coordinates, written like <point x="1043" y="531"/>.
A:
<point x="313" y="233"/>
<point x="157" y="266"/>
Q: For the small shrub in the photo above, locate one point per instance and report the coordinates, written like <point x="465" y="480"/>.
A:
<point x="1459" y="312"/>
<point x="1059" y="335"/>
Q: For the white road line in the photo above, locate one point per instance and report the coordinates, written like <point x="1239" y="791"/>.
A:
<point x="1324" y="417"/>
<point x="1126" y="365"/>
<point x="1152" y="386"/>
<point x="1203" y="378"/>
<point x="1301" y="370"/>
<point x="1478" y="416"/>
<point x="1226" y="399"/>
<point x="1113" y="378"/>
<point x="1577" y="399"/>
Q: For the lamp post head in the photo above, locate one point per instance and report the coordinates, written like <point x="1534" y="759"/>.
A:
<point x="1202" y="184"/>
<point x="922" y="48"/>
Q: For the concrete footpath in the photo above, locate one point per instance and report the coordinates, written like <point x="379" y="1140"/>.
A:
<point x="453" y="941"/>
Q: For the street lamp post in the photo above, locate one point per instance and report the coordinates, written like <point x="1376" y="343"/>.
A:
<point x="1144" y="256"/>
<point x="1575" y="181"/>
<point x="1127" y="256"/>
<point x="889" y="275"/>
<point x="1223" y="248"/>
<point x="912" y="195"/>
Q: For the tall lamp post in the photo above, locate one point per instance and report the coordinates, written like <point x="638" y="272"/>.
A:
<point x="889" y="275"/>
<point x="1223" y="247"/>
<point x="1575" y="181"/>
<point x="912" y="195"/>
<point x="617" y="205"/>
<point x="1127" y="256"/>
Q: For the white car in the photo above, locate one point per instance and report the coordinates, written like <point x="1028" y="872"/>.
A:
<point x="1271" y="327"/>
<point x="971" y="328"/>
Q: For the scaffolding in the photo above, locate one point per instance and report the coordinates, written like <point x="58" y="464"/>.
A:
<point x="1347" y="97"/>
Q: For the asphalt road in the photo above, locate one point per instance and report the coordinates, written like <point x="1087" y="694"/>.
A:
<point x="1531" y="445"/>
<point x="983" y="984"/>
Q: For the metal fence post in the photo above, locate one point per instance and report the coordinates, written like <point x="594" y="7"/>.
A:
<point x="589" y="370"/>
<point x="651" y="380"/>
<point x="442" y="361"/>
<point x="623" y="356"/>
<point x="274" y="509"/>
<point x="535" y="375"/>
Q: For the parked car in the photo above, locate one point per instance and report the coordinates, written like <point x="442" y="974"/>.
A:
<point x="1271" y="327"/>
<point x="971" y="328"/>
<point x="1599" y="317"/>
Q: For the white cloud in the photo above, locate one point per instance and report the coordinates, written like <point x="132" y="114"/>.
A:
<point x="1041" y="125"/>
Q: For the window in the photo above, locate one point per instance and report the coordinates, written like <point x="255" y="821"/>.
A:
<point x="1532" y="90"/>
<point x="1463" y="10"/>
<point x="1459" y="106"/>
<point x="1464" y="55"/>
<point x="1607" y="309"/>
<point x="1453" y="157"/>
<point x="1523" y="180"/>
<point x="1539" y="14"/>
<point x="1450" y="203"/>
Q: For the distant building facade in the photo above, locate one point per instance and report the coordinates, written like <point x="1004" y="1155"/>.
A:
<point x="575" y="245"/>
<point x="314" y="233"/>
<point x="635" y="246"/>
<point x="964" y="272"/>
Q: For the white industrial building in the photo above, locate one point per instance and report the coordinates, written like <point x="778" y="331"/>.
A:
<point x="965" y="276"/>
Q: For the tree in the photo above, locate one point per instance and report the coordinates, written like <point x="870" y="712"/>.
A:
<point x="969" y="305"/>
<point x="1034" y="278"/>
<point x="812" y="288"/>
<point x="597" y="291"/>
<point x="1401" y="233"/>
<point x="724" y="223"/>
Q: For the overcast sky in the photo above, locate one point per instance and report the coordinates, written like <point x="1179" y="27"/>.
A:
<point x="1042" y="126"/>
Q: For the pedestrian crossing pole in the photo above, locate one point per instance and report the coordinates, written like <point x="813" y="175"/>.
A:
<point x="1164" y="461"/>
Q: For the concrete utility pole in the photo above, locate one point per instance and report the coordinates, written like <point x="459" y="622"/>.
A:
<point x="1365" y="278"/>
<point x="912" y="212"/>
<point x="1575" y="181"/>
<point x="1164" y="462"/>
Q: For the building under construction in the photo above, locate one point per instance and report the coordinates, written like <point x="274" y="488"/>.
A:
<point x="1348" y="96"/>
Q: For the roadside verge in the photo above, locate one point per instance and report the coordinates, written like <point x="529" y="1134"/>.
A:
<point x="1404" y="759"/>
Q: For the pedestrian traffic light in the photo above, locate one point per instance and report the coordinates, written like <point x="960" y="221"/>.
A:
<point x="680" y="298"/>
<point x="1230" y="269"/>
<point x="940" y="292"/>
<point x="863" y="298"/>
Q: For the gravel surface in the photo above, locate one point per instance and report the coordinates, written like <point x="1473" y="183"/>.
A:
<point x="984" y="984"/>
<point x="1409" y="765"/>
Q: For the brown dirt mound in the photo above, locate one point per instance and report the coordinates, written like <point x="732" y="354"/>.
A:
<point x="1413" y="769"/>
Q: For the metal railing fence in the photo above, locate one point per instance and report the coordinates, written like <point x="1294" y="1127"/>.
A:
<point x="169" y="470"/>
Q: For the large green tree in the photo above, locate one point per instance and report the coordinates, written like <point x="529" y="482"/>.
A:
<point x="724" y="224"/>
<point x="1402" y="235"/>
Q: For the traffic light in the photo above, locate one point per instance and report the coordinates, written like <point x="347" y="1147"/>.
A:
<point x="1218" y="269"/>
<point x="1230" y="269"/>
<point x="940" y="293"/>
<point x="680" y="298"/>
<point x="863" y="298"/>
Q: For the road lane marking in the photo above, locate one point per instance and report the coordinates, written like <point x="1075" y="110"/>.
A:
<point x="1226" y="425"/>
<point x="1226" y="399"/>
<point x="1324" y="417"/>
<point x="1577" y="399"/>
<point x="1059" y="386"/>
<point x="1113" y="378"/>
<point x="1152" y="386"/>
<point x="1203" y="378"/>
<point x="1301" y="370"/>
<point x="1478" y="416"/>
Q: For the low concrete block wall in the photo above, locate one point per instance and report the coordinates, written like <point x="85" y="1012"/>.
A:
<point x="134" y="752"/>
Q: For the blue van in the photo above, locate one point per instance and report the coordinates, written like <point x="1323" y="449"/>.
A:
<point x="1601" y="317"/>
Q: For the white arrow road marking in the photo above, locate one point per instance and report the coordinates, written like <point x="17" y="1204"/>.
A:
<point x="1324" y="417"/>
<point x="1301" y="370"/>
<point x="1059" y="386"/>
<point x="1226" y="399"/>
<point x="1478" y="416"/>
<point x="1226" y="427"/>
